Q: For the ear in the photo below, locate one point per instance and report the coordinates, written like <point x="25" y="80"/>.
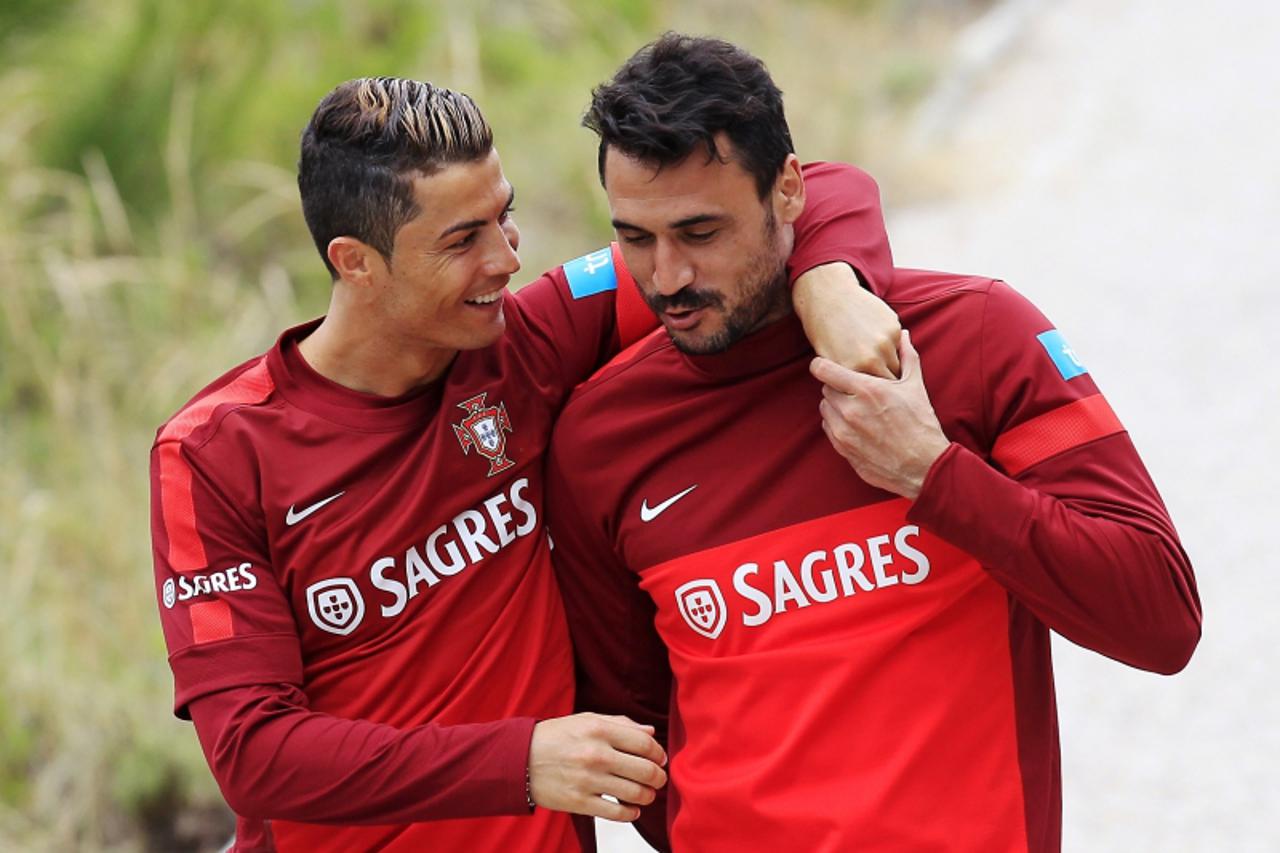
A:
<point x="355" y="260"/>
<point x="788" y="191"/>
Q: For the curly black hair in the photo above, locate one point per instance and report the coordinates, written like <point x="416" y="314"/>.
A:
<point x="678" y="92"/>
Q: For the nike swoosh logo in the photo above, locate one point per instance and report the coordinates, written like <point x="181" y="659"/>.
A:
<point x="295" y="515"/>
<point x="649" y="513"/>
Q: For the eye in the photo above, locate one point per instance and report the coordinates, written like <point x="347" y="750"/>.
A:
<point x="465" y="242"/>
<point x="636" y="239"/>
<point x="701" y="236"/>
<point x="506" y="214"/>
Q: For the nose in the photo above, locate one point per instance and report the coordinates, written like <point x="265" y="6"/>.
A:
<point x="503" y="259"/>
<point x="671" y="269"/>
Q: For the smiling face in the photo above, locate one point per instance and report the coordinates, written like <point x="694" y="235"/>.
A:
<point x="444" y="285"/>
<point x="708" y="253"/>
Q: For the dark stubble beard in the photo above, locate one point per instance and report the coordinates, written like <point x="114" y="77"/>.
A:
<point x="763" y="297"/>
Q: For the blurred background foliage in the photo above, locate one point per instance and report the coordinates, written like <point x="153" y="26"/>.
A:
<point x="150" y="238"/>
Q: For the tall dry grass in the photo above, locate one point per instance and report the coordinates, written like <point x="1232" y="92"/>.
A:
<point x="100" y="339"/>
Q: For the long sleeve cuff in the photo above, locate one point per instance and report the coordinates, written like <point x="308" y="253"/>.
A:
<point x="960" y="496"/>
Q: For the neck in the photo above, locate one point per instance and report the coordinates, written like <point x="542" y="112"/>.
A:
<point x="366" y="359"/>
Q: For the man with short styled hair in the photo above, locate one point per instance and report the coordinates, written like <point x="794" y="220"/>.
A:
<point x="855" y="656"/>
<point x="348" y="530"/>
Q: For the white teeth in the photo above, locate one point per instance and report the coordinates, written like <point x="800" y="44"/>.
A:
<point x="486" y="299"/>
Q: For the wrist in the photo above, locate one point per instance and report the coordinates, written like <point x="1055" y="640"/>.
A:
<point x="930" y="460"/>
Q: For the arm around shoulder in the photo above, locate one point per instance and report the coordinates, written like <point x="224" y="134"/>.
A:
<point x="841" y="265"/>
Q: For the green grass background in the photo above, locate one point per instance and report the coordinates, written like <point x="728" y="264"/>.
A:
<point x="150" y="237"/>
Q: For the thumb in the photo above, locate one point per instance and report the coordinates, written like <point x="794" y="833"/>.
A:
<point x="834" y="375"/>
<point x="909" y="357"/>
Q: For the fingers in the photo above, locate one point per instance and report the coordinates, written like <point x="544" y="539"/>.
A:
<point x="892" y="361"/>
<point x="609" y="810"/>
<point x="619" y="786"/>
<point x="626" y="735"/>
<point x="826" y="427"/>
<point x="837" y="376"/>
<point x="627" y="721"/>
<point x="882" y="362"/>
<point x="576" y="762"/>
<point x="836" y="428"/>
<point x="639" y="772"/>
<point x="893" y="356"/>
<point x="627" y="792"/>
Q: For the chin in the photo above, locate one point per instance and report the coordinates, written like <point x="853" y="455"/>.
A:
<point x="487" y="336"/>
<point x="699" y="344"/>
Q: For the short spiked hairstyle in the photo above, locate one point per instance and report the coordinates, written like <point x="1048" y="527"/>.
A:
<point x="366" y="142"/>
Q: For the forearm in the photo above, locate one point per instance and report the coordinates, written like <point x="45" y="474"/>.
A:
<point x="274" y="758"/>
<point x="1106" y="574"/>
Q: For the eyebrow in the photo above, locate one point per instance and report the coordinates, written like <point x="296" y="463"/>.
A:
<point x="687" y="222"/>
<point x="475" y="223"/>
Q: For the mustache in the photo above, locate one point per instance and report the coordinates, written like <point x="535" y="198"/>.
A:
<point x="685" y="299"/>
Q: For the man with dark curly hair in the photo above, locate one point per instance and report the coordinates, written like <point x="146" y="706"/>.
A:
<point x="854" y="656"/>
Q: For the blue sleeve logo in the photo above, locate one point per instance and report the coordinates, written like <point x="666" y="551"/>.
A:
<point x="591" y="274"/>
<point x="1064" y="357"/>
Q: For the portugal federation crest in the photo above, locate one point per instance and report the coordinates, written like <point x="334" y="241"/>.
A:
<point x="702" y="607"/>
<point x="484" y="428"/>
<point x="335" y="605"/>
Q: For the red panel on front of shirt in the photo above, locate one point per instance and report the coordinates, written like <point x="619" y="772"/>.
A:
<point x="877" y="674"/>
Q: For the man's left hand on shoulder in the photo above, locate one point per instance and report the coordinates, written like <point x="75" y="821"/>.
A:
<point x="885" y="428"/>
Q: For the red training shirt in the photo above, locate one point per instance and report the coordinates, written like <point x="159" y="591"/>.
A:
<point x="846" y="669"/>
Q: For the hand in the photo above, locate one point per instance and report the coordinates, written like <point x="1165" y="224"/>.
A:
<point x="886" y="429"/>
<point x="575" y="761"/>
<point x="845" y="322"/>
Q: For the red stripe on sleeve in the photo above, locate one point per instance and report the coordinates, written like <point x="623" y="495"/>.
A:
<point x="186" y="551"/>
<point x="210" y="620"/>
<point x="1054" y="432"/>
<point x="635" y="320"/>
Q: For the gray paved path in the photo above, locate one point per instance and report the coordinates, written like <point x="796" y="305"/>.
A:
<point x="1124" y="172"/>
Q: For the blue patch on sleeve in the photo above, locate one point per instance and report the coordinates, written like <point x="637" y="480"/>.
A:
<point x="1064" y="357"/>
<point x="591" y="274"/>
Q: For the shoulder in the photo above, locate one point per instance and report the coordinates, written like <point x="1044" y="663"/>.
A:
<point x="970" y="306"/>
<point x="614" y="391"/>
<point x="647" y="359"/>
<point x="914" y="286"/>
<point x="585" y="276"/>
<point x="850" y="176"/>
<point x="247" y="385"/>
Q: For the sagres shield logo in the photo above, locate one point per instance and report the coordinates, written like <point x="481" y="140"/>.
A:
<point x="483" y="429"/>
<point x="335" y="605"/>
<point x="702" y="606"/>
